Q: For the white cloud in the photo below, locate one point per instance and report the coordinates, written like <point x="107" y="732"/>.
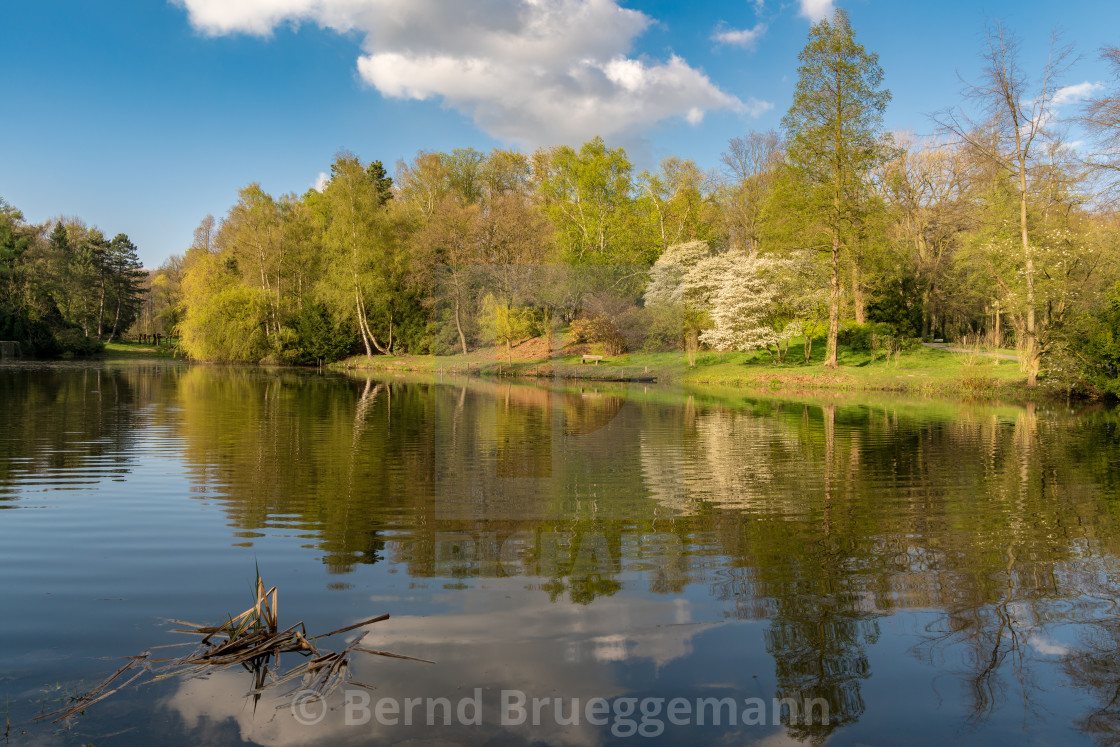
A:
<point x="815" y="10"/>
<point x="740" y="37"/>
<point x="321" y="181"/>
<point x="1047" y="647"/>
<point x="528" y="71"/>
<point x="1074" y="93"/>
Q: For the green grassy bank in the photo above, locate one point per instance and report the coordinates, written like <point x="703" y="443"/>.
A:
<point x="921" y="371"/>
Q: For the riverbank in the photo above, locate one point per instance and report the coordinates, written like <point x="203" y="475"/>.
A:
<point x="135" y="351"/>
<point x="921" y="372"/>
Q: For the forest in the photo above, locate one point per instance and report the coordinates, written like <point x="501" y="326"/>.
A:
<point x="998" y="229"/>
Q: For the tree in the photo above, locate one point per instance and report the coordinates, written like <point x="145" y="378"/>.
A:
<point x="588" y="195"/>
<point x="926" y="187"/>
<point x="224" y="319"/>
<point x="445" y="258"/>
<point x="127" y="275"/>
<point x="382" y="182"/>
<point x="749" y="164"/>
<point x="252" y="235"/>
<point x="678" y="198"/>
<point x="832" y="136"/>
<point x="366" y="263"/>
<point x="1015" y="114"/>
<point x="742" y="304"/>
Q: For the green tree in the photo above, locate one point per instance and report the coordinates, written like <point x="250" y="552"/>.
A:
<point x="381" y="180"/>
<point x="127" y="277"/>
<point x="832" y="136"/>
<point x="588" y="195"/>
<point x="445" y="259"/>
<point x="367" y="264"/>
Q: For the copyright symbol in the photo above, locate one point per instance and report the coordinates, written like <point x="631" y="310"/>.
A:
<point x="308" y="707"/>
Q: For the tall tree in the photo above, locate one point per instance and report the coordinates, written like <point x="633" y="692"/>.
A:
<point x="252" y="235"/>
<point x="588" y="195"/>
<point x="1015" y="112"/>
<point x="366" y="265"/>
<point x="926" y="186"/>
<point x="127" y="274"/>
<point x="445" y="257"/>
<point x="832" y="136"/>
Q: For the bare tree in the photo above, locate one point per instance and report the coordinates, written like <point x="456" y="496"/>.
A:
<point x="1014" y="120"/>
<point x="748" y="163"/>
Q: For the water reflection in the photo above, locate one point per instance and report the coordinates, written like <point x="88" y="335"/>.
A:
<point x="612" y="540"/>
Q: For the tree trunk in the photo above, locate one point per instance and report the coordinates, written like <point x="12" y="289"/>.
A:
<point x="859" y="306"/>
<point x="926" y="315"/>
<point x="834" y="304"/>
<point x="830" y="360"/>
<point x="459" y="326"/>
<point x="1032" y="352"/>
<point x="362" y="329"/>
<point x="117" y="316"/>
<point x="101" y="307"/>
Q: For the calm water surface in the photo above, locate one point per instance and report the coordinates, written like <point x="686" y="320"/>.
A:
<point x="931" y="572"/>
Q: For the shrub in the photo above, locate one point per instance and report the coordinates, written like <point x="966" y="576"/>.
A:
<point x="598" y="329"/>
<point x="864" y="336"/>
<point x="72" y="342"/>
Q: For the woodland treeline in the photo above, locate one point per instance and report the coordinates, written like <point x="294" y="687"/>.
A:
<point x="65" y="287"/>
<point x="994" y="229"/>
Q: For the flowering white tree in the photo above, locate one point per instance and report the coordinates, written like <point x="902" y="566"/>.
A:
<point x="666" y="278"/>
<point x="742" y="301"/>
<point x="800" y="307"/>
<point x="742" y="305"/>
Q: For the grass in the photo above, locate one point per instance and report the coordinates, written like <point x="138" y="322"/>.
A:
<point x="135" y="351"/>
<point x="251" y="640"/>
<point x="919" y="371"/>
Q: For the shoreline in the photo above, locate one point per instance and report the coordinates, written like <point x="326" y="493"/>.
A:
<point x="989" y="381"/>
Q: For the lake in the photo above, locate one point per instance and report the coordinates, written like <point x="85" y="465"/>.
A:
<point x="581" y="564"/>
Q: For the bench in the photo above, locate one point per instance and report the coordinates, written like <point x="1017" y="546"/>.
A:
<point x="595" y="358"/>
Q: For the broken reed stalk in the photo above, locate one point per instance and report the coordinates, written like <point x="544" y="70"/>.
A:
<point x="253" y="641"/>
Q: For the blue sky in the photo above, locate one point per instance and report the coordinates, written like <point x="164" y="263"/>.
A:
<point x="142" y="117"/>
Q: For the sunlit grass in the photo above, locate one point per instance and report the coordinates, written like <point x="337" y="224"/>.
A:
<point x="919" y="370"/>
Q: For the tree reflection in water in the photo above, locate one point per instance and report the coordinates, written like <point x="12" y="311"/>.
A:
<point x="817" y="519"/>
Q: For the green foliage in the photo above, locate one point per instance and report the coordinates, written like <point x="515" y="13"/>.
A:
<point x="73" y="342"/>
<point x="899" y="304"/>
<point x="224" y="320"/>
<point x="1088" y="356"/>
<point x="865" y="336"/>
<point x="321" y="337"/>
<point x="505" y="325"/>
<point x="63" y="294"/>
<point x="589" y="196"/>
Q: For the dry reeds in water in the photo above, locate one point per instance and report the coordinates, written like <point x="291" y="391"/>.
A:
<point x="251" y="640"/>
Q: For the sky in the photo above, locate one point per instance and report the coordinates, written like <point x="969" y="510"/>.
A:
<point x="144" y="116"/>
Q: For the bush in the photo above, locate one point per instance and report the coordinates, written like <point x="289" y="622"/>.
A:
<point x="864" y="336"/>
<point x="319" y="338"/>
<point x="899" y="306"/>
<point x="72" y="342"/>
<point x="1087" y="357"/>
<point x="598" y="329"/>
<point x="654" y="329"/>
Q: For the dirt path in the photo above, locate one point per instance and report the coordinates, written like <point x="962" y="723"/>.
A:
<point x="951" y="349"/>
